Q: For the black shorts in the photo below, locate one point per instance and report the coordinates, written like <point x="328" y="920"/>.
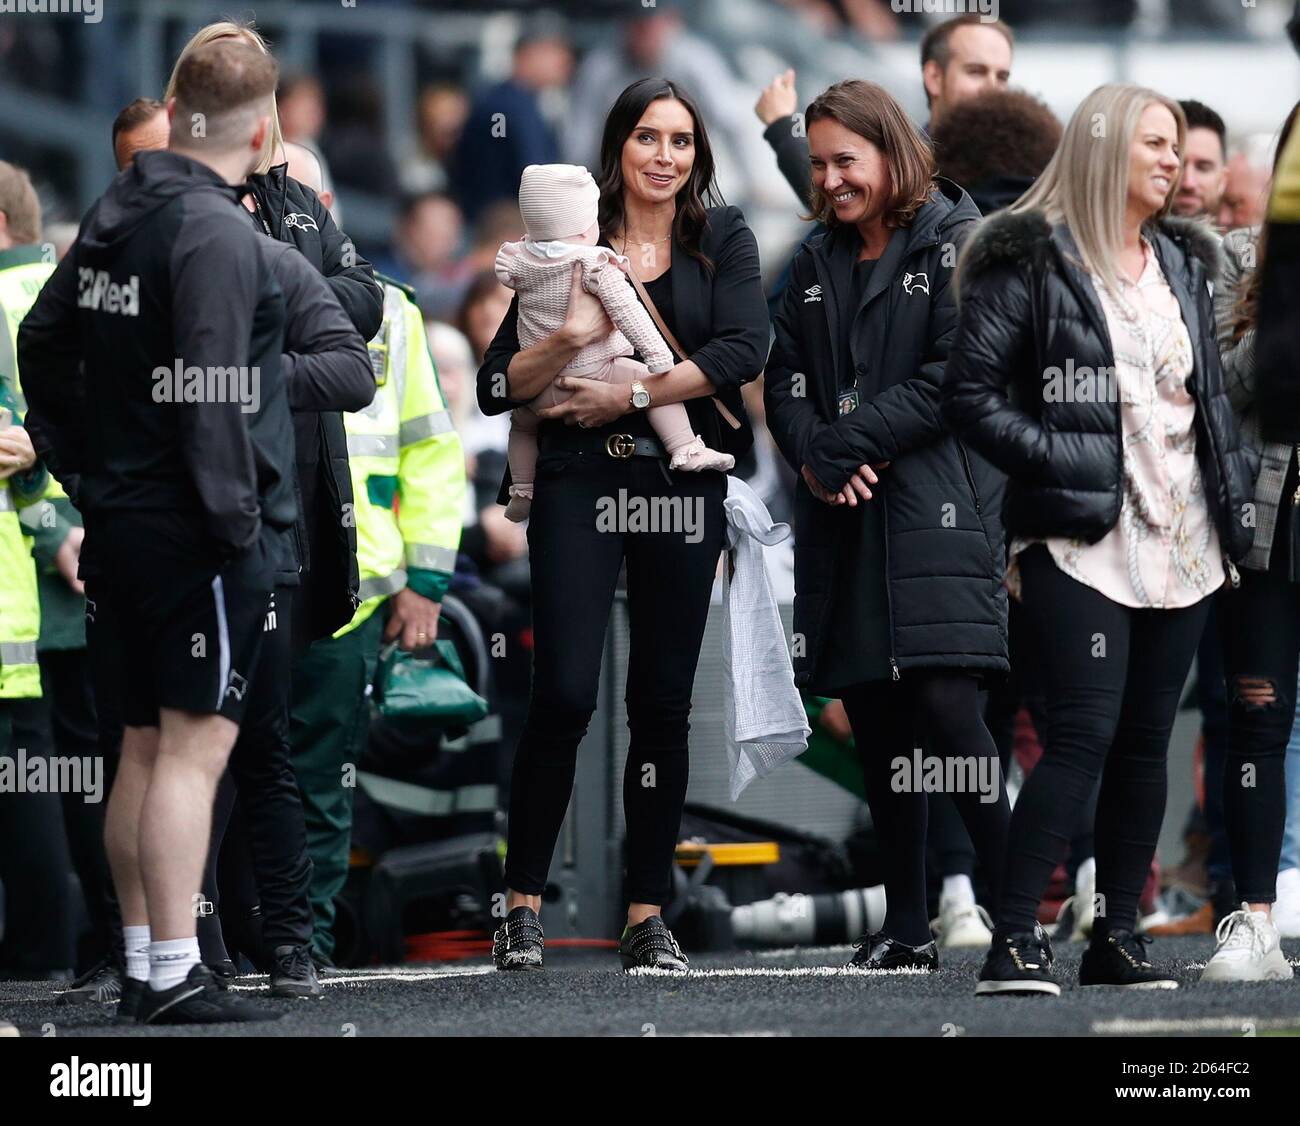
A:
<point x="183" y="628"/>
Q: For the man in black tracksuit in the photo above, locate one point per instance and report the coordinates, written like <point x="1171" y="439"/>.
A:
<point x="264" y="869"/>
<point x="180" y="458"/>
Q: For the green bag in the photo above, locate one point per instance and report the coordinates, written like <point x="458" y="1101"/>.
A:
<point x="428" y="686"/>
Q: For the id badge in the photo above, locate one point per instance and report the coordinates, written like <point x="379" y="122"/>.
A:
<point x="848" y="402"/>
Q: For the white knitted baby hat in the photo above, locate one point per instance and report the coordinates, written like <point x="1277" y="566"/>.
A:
<point x="557" y="201"/>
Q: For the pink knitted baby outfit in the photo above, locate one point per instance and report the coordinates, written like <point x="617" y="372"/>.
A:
<point x="542" y="275"/>
<point x="559" y="202"/>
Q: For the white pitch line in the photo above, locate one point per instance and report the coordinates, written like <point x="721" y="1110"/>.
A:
<point x="772" y="971"/>
<point x="1124" y="1026"/>
<point x="386" y="975"/>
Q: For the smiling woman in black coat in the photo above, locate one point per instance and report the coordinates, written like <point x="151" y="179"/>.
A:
<point x="899" y="605"/>
<point x="699" y="265"/>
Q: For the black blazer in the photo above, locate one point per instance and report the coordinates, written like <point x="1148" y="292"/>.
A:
<point x="721" y="322"/>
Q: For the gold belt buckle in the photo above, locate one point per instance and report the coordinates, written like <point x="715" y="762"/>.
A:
<point x="620" y="445"/>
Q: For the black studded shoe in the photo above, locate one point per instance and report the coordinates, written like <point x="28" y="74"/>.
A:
<point x="1019" y="963"/>
<point x="880" y="952"/>
<point x="1119" y="960"/>
<point x="650" y="945"/>
<point x="518" y="942"/>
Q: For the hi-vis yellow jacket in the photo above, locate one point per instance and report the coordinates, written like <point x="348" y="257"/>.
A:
<point x="408" y="469"/>
<point x="22" y="274"/>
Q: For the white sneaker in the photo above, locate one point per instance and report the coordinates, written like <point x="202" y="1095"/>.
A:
<point x="1286" y="910"/>
<point x="1249" y="950"/>
<point x="962" y="925"/>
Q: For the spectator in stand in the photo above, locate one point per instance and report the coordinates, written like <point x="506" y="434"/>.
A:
<point x="301" y="101"/>
<point x="1245" y="196"/>
<point x="1204" y="163"/>
<point x="870" y="18"/>
<point x="655" y="41"/>
<point x="498" y="224"/>
<point x="506" y="130"/>
<point x="427" y="246"/>
<point x="440" y="118"/>
<point x="483" y="309"/>
<point x="355" y="143"/>
<point x="141" y="126"/>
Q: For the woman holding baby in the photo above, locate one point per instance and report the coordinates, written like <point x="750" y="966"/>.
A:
<point x="591" y="421"/>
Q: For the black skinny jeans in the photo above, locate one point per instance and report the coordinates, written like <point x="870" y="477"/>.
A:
<point x="1113" y="676"/>
<point x="575" y="567"/>
<point x="1261" y="640"/>
<point x="888" y="720"/>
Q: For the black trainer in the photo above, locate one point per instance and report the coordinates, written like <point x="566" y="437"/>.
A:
<point x="650" y="945"/>
<point x="1119" y="960"/>
<point x="101" y="984"/>
<point x="880" y="952"/>
<point x="128" y="1008"/>
<point x="293" y="973"/>
<point x="198" y="1000"/>
<point x="518" y="942"/>
<point x="1019" y="963"/>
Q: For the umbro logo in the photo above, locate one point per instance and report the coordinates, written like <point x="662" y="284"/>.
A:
<point x="913" y="282"/>
<point x="814" y="293"/>
<point x="236" y="685"/>
<point x="302" y="222"/>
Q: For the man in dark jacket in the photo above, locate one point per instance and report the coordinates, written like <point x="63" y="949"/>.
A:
<point x="182" y="475"/>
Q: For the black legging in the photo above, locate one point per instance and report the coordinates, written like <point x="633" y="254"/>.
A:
<point x="887" y="718"/>
<point x="1261" y="641"/>
<point x="1113" y="676"/>
<point x="575" y="568"/>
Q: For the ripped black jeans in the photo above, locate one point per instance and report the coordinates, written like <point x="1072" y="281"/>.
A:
<point x="1260" y="621"/>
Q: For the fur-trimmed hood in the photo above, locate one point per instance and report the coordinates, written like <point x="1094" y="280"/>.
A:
<point x="1021" y="238"/>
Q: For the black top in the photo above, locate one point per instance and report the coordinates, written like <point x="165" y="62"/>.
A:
<point x="857" y="634"/>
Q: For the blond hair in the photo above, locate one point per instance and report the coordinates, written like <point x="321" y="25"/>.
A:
<point x="245" y="31"/>
<point x="1085" y="184"/>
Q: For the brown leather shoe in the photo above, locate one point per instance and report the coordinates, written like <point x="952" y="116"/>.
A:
<point x="1200" y="921"/>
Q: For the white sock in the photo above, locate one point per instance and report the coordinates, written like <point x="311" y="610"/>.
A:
<point x="170" y="961"/>
<point x="958" y="891"/>
<point x="136" y="941"/>
<point x="1086" y="876"/>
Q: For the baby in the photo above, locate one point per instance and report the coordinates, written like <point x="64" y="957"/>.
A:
<point x="559" y="204"/>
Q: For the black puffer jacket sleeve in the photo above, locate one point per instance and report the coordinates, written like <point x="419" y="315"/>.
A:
<point x="993" y="334"/>
<point x="792" y="416"/>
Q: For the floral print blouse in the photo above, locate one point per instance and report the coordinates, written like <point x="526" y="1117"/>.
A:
<point x="1163" y="553"/>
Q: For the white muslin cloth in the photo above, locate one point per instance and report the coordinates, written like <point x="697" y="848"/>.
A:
<point x="766" y="725"/>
